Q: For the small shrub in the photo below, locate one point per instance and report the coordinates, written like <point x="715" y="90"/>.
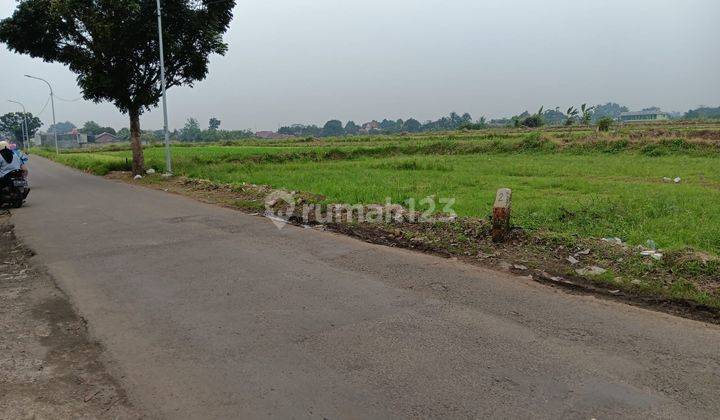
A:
<point x="676" y="145"/>
<point x="535" y="142"/>
<point x="617" y="146"/>
<point x="605" y="123"/>
<point x="653" y="150"/>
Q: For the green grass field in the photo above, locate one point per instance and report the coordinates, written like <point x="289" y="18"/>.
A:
<point x="570" y="182"/>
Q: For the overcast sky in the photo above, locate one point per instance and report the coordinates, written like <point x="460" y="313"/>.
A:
<point x="308" y="61"/>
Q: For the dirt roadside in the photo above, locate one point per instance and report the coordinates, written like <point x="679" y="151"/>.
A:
<point x="49" y="366"/>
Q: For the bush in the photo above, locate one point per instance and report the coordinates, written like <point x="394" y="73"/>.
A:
<point x="533" y="121"/>
<point x="605" y="123"/>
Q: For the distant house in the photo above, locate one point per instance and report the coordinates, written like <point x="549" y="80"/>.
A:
<point x="370" y="127"/>
<point x="643" y="116"/>
<point x="105" y="138"/>
<point x="71" y="140"/>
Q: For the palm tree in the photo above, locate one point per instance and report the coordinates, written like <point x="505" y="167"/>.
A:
<point x="571" y="113"/>
<point x="586" y="113"/>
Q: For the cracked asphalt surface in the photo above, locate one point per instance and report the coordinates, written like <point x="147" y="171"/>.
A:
<point x="211" y="313"/>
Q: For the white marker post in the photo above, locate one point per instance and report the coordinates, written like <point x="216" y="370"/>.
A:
<point x="501" y="214"/>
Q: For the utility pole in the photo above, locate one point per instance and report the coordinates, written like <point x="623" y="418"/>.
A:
<point x="26" y="134"/>
<point x="168" y="156"/>
<point x="52" y="102"/>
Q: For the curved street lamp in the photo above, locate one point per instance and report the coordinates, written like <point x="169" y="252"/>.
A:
<point x="26" y="133"/>
<point x="52" y="101"/>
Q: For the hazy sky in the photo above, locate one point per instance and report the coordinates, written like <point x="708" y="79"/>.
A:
<point x="308" y="61"/>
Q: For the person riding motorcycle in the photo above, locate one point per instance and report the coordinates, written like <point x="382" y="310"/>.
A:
<point x="13" y="185"/>
<point x="9" y="161"/>
<point x="19" y="153"/>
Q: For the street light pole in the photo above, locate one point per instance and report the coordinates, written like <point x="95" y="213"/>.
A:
<point x="168" y="156"/>
<point x="52" y="102"/>
<point x="26" y="134"/>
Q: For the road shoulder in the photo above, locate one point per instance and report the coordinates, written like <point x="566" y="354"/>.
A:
<point x="49" y="366"/>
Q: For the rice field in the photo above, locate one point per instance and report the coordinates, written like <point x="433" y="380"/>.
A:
<point x="570" y="182"/>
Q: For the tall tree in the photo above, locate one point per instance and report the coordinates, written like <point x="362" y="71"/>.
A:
<point x="213" y="124"/>
<point x="112" y="46"/>
<point x="13" y="123"/>
<point x="63" y="127"/>
<point x="191" y="131"/>
<point x="90" y="127"/>
<point x="610" y="109"/>
<point x="351" y="128"/>
<point x="586" y="113"/>
<point x="412" y="125"/>
<point x="333" y="128"/>
<point x="93" y="128"/>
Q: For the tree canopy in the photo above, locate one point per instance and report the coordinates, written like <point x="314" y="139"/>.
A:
<point x="93" y="128"/>
<point x="12" y="122"/>
<point x="703" y="112"/>
<point x="112" y="46"/>
<point x="214" y="123"/>
<point x="191" y="131"/>
<point x="333" y="128"/>
<point x="62" y="127"/>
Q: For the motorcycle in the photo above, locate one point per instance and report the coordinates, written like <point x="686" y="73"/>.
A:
<point x="14" y="189"/>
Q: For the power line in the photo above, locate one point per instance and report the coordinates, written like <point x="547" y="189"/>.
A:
<point x="44" y="107"/>
<point x="68" y="100"/>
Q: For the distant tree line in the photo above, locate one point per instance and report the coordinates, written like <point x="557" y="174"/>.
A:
<point x="703" y="112"/>
<point x="602" y="115"/>
<point x="453" y="121"/>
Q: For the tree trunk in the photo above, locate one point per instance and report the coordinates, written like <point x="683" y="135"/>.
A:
<point x="138" y="163"/>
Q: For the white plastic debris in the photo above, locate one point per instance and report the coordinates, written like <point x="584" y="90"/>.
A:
<point x="677" y="180"/>
<point x="616" y="241"/>
<point x="150" y="171"/>
<point x="652" y="253"/>
<point x="136" y="177"/>
<point x="591" y="271"/>
<point x="666" y="179"/>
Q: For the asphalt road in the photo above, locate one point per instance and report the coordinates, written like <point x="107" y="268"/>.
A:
<point x="210" y="313"/>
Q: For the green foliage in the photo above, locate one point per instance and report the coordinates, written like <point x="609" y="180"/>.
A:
<point x="333" y="128"/>
<point x="351" y="128"/>
<point x="703" y="112"/>
<point x="214" y="124"/>
<point x="412" y="126"/>
<point x="572" y="114"/>
<point x="605" y="123"/>
<point x="554" y="117"/>
<point x="124" y="133"/>
<point x="93" y="128"/>
<point x="191" y="131"/>
<point x="536" y="142"/>
<point x="63" y="127"/>
<point x="610" y="109"/>
<point x="12" y="122"/>
<point x="112" y="46"/>
<point x="532" y="121"/>
<point x="586" y="113"/>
